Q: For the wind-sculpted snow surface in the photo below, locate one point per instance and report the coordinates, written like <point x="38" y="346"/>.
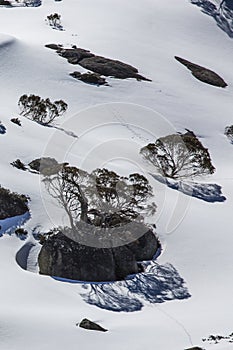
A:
<point x="158" y="284"/>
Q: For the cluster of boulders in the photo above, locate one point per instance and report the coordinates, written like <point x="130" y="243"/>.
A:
<point x="97" y="64"/>
<point x="64" y="257"/>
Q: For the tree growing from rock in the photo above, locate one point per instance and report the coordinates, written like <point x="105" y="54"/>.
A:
<point x="41" y="110"/>
<point x="102" y="198"/>
<point x="179" y="156"/>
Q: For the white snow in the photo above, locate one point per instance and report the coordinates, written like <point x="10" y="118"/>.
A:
<point x="112" y="124"/>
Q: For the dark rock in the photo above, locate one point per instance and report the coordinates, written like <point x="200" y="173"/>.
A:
<point x="63" y="257"/>
<point x="145" y="247"/>
<point x="203" y="74"/>
<point x="45" y="165"/>
<point x="54" y="46"/>
<point x="12" y="204"/>
<point x="98" y="64"/>
<point x="16" y="121"/>
<point x="109" y="67"/>
<point x="125" y="262"/>
<point x="75" y="55"/>
<point x="87" y="324"/>
<point x="195" y="348"/>
<point x="90" y="78"/>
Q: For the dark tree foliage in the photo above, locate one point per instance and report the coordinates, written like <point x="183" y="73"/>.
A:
<point x="30" y="3"/>
<point x="41" y="110"/>
<point x="102" y="198"/>
<point x="178" y="156"/>
<point x="19" y="165"/>
<point x="229" y="133"/>
<point x="54" y="20"/>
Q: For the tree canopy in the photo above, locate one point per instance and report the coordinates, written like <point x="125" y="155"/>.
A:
<point x="102" y="198"/>
<point x="178" y="156"/>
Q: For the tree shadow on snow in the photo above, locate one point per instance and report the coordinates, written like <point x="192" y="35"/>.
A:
<point x="223" y="14"/>
<point x="9" y="225"/>
<point x="207" y="192"/>
<point x="158" y="284"/>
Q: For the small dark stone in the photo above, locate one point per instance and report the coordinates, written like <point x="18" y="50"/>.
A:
<point x="16" y="121"/>
<point x="87" y="324"/>
<point x="195" y="348"/>
<point x="203" y="74"/>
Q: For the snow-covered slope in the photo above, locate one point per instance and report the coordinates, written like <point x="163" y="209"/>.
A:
<point x="106" y="126"/>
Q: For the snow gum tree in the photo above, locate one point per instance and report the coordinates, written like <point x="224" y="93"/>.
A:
<point x="102" y="198"/>
<point x="179" y="156"/>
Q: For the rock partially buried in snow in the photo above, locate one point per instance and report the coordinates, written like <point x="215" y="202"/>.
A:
<point x="203" y="74"/>
<point x="89" y="78"/>
<point x="63" y="257"/>
<point x="195" y="348"/>
<point x="87" y="324"/>
<point x="110" y="67"/>
<point x="12" y="204"/>
<point x="98" y="64"/>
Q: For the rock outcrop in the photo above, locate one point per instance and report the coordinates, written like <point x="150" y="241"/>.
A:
<point x="63" y="257"/>
<point x="90" y="78"/>
<point x="12" y="204"/>
<point x="98" y="64"/>
<point x="87" y="324"/>
<point x="203" y="74"/>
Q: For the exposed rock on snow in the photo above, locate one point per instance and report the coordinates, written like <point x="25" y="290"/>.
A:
<point x="203" y="74"/>
<point x="109" y="67"/>
<point x="63" y="257"/>
<point x="98" y="64"/>
<point x="87" y="324"/>
<point x="12" y="204"/>
<point x="90" y="78"/>
<point x="44" y="165"/>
